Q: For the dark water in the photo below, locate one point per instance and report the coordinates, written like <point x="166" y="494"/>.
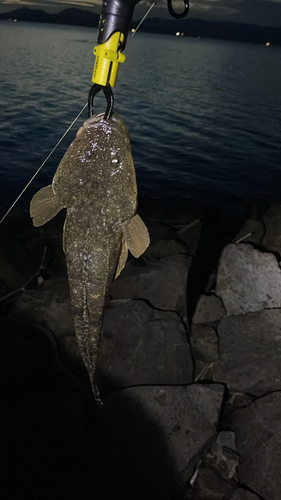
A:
<point x="204" y="116"/>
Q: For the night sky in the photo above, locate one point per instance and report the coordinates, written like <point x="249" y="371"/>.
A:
<point x="263" y="12"/>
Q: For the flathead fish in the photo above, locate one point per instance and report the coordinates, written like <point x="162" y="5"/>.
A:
<point x="96" y="183"/>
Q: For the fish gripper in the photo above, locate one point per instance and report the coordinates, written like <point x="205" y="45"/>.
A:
<point x="109" y="99"/>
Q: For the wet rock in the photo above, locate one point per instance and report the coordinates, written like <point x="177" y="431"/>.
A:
<point x="248" y="280"/>
<point x="258" y="440"/>
<point x="272" y="221"/>
<point x="252" y="231"/>
<point x="187" y="416"/>
<point x="141" y="345"/>
<point x="250" y="351"/>
<point x="162" y="283"/>
<point x="241" y="494"/>
<point x="209" y="308"/>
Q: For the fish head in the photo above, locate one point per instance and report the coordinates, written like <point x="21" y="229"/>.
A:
<point x="97" y="164"/>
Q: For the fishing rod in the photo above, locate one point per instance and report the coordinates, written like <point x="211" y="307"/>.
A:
<point x="114" y="23"/>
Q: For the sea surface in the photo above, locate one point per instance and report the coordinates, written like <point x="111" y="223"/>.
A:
<point x="204" y="116"/>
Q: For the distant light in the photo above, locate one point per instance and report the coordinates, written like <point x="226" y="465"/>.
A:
<point x="177" y="33"/>
<point x="133" y="30"/>
<point x="267" y="44"/>
<point x="182" y="33"/>
<point x="15" y="20"/>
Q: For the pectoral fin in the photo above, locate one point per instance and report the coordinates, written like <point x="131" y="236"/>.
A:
<point x="136" y="235"/>
<point x="44" y="206"/>
<point x="123" y="257"/>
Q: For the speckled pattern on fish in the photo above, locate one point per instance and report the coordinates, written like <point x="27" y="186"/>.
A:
<point x="96" y="183"/>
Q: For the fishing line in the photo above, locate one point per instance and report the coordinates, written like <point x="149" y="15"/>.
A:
<point x="66" y="132"/>
<point x="42" y="164"/>
<point x="140" y="23"/>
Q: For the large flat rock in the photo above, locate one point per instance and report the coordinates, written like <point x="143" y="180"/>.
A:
<point x="49" y="306"/>
<point x="258" y="439"/>
<point x="185" y="416"/>
<point x="248" y="280"/>
<point x="141" y="345"/>
<point x="162" y="283"/>
<point x="250" y="353"/>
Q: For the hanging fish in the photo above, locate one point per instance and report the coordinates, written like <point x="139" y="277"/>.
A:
<point x="96" y="183"/>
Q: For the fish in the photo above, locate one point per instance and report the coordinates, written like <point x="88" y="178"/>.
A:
<point x="96" y="183"/>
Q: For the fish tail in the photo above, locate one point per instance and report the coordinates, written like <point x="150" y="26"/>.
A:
<point x="87" y="309"/>
<point x="89" y="283"/>
<point x="91" y="258"/>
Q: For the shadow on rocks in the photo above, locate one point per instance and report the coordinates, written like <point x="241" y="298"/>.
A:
<point x="217" y="230"/>
<point x="130" y="459"/>
<point x="55" y="446"/>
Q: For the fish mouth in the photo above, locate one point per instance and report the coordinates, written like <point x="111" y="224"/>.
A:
<point x="115" y="122"/>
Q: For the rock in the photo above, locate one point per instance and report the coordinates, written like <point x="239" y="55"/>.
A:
<point x="29" y="363"/>
<point x="250" y="352"/>
<point x="224" y="460"/>
<point x="258" y="440"/>
<point x="241" y="494"/>
<point x="161" y="232"/>
<point x="248" y="280"/>
<point x="210" y="486"/>
<point x="209" y="308"/>
<point x="205" y="343"/>
<point x="252" y="231"/>
<point x="43" y="417"/>
<point x="17" y="265"/>
<point x="190" y="234"/>
<point x="234" y="401"/>
<point x="272" y="221"/>
<point x="141" y="345"/>
<point x="186" y="416"/>
<point x="49" y="307"/>
<point x="215" y="475"/>
<point x="164" y="248"/>
<point x="226" y="439"/>
<point x="162" y="283"/>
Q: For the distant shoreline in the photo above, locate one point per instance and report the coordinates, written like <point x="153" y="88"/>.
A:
<point x="196" y="28"/>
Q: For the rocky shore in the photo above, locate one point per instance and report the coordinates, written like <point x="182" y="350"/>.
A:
<point x="189" y="366"/>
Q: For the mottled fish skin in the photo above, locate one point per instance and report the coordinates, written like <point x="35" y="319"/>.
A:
<point x="96" y="183"/>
